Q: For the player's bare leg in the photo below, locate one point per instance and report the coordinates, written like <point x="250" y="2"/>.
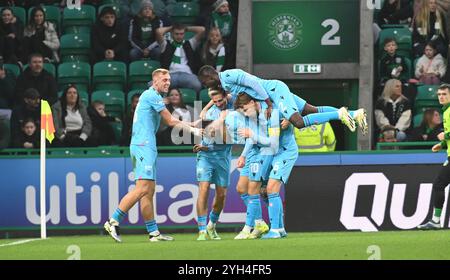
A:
<point x="148" y="213"/>
<point x="202" y="209"/>
<point x="217" y="207"/>
<point x="143" y="187"/>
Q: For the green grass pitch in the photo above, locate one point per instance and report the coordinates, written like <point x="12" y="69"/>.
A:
<point x="342" y="245"/>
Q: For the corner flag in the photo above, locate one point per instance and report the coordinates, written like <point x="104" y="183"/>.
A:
<point x="47" y="121"/>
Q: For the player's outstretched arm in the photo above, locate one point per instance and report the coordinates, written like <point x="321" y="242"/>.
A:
<point x="171" y="121"/>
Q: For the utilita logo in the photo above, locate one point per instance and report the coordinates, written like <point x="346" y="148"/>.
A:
<point x="381" y="183"/>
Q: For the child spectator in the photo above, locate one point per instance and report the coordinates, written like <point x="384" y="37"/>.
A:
<point x="431" y="67"/>
<point x="142" y="33"/>
<point x="221" y="18"/>
<point x="109" y="39"/>
<point x="214" y="52"/>
<point x="392" y="65"/>
<point x="29" y="136"/>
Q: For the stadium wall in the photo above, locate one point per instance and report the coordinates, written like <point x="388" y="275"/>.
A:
<point x="326" y="192"/>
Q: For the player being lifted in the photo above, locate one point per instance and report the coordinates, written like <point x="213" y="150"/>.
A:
<point x="213" y="167"/>
<point x="147" y="117"/>
<point x="291" y="106"/>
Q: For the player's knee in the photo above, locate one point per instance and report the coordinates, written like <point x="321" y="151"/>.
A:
<point x="297" y="120"/>
<point x="310" y="109"/>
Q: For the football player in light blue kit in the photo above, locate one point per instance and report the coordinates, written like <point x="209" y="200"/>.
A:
<point x="213" y="167"/>
<point x="255" y="160"/>
<point x="285" y="155"/>
<point x="275" y="91"/>
<point x="147" y="117"/>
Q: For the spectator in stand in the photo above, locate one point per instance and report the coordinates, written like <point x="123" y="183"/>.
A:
<point x="35" y="76"/>
<point x="7" y="84"/>
<point x="128" y="122"/>
<point x="132" y="7"/>
<point x="430" y="127"/>
<point x="221" y="18"/>
<point x="109" y="39"/>
<point x="396" y="12"/>
<point x="214" y="52"/>
<point x="102" y="131"/>
<point x="392" y="65"/>
<point x="142" y="33"/>
<point x="11" y="33"/>
<point x="40" y="37"/>
<point x="388" y="135"/>
<point x="394" y="109"/>
<point x="431" y="67"/>
<point x="29" y="136"/>
<point x="28" y="109"/>
<point x="73" y="126"/>
<point x="179" y="110"/>
<point x="178" y="55"/>
<point x="429" y="25"/>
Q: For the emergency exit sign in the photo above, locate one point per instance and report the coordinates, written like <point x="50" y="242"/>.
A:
<point x="307" y="68"/>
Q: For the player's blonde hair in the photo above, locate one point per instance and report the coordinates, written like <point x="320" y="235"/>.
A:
<point x="159" y="71"/>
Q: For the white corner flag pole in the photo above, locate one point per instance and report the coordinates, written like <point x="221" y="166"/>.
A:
<point x="42" y="196"/>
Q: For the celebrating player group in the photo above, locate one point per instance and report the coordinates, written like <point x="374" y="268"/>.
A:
<point x="244" y="110"/>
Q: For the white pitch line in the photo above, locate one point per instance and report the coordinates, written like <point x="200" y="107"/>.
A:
<point x="18" y="242"/>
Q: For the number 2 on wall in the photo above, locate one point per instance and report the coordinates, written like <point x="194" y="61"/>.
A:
<point x="328" y="39"/>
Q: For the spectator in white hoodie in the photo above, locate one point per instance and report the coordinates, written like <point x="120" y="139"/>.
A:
<point x="431" y="66"/>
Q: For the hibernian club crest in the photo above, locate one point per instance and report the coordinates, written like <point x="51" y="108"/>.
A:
<point x="285" y="31"/>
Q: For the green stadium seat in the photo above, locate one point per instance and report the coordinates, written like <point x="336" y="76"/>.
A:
<point x="15" y="69"/>
<point x="189" y="95"/>
<point x="67" y="152"/>
<point x="402" y="36"/>
<point x="140" y="74"/>
<point x="115" y="6"/>
<point x="426" y="98"/>
<point x="114" y="101"/>
<point x="204" y="97"/>
<point x="184" y="12"/>
<point x="110" y="75"/>
<point x="75" y="47"/>
<point x="117" y="128"/>
<point x="47" y="66"/>
<point x="83" y="95"/>
<point x="78" y="21"/>
<point x="52" y="14"/>
<point x="108" y="2"/>
<point x="417" y="119"/>
<point x="78" y="73"/>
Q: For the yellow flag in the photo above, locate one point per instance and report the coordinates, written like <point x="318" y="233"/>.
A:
<point x="47" y="121"/>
